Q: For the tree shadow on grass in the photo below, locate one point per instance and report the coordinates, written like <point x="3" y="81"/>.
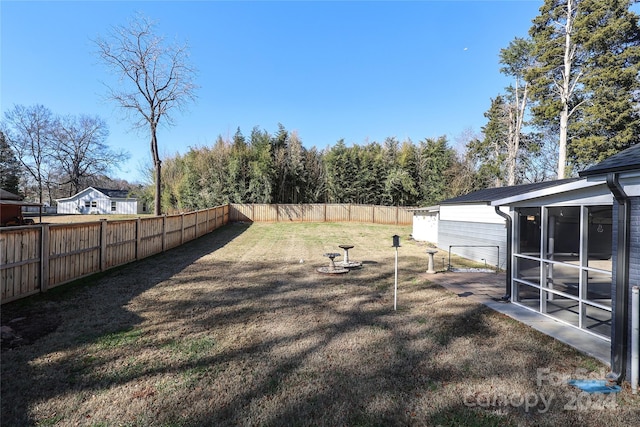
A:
<point x="88" y="310"/>
<point x="260" y="344"/>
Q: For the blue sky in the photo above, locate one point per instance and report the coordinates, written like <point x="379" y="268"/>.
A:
<point x="358" y="71"/>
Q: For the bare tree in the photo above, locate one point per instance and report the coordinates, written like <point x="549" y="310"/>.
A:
<point x="154" y="78"/>
<point x="517" y="59"/>
<point x="28" y="132"/>
<point x="559" y="70"/>
<point x="80" y="150"/>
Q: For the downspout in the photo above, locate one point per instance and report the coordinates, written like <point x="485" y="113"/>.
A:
<point x="621" y="285"/>
<point x="507" y="218"/>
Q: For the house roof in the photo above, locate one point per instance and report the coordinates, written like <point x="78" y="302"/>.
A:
<point x="435" y="208"/>
<point x="113" y="194"/>
<point x="489" y="195"/>
<point x="625" y="160"/>
<point x="6" y="195"/>
<point x="8" y="198"/>
<point x="117" y="194"/>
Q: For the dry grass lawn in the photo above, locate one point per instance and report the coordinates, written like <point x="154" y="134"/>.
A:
<point x="237" y="328"/>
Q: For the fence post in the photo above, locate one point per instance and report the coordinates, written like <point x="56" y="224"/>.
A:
<point x="164" y="232"/>
<point x="182" y="228"/>
<point x="373" y="214"/>
<point x="44" y="257"/>
<point x="138" y="237"/>
<point x="103" y="244"/>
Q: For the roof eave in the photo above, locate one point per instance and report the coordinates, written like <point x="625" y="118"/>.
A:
<point x="605" y="171"/>
<point x="548" y="191"/>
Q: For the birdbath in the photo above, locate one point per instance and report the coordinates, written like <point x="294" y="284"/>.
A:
<point x="332" y="269"/>
<point x="345" y="262"/>
<point x="346" y="252"/>
<point x="332" y="256"/>
<point x="430" y="268"/>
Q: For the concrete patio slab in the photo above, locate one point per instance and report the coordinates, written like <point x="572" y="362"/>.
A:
<point x="488" y="289"/>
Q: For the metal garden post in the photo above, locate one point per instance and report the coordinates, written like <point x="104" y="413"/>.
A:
<point x="396" y="244"/>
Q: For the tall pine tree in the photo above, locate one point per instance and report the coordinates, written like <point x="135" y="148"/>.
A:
<point x="585" y="78"/>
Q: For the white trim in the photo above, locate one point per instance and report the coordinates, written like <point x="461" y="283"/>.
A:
<point x="64" y="199"/>
<point x="545" y="192"/>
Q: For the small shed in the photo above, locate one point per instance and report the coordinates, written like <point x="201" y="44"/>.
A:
<point x="103" y="201"/>
<point x="11" y="209"/>
<point x="425" y="224"/>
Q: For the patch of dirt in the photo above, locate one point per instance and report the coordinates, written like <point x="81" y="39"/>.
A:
<point x="25" y="324"/>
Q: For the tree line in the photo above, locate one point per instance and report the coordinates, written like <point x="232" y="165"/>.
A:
<point x="277" y="168"/>
<point x="574" y="96"/>
<point x="53" y="155"/>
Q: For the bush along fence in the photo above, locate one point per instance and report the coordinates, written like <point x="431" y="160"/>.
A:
<point x="372" y="214"/>
<point x="39" y="257"/>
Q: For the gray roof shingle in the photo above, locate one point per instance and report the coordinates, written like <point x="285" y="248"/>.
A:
<point x="625" y="160"/>
<point x="116" y="194"/>
<point x="488" y="195"/>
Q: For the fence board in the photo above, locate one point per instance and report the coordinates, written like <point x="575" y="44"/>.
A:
<point x="320" y="213"/>
<point x="189" y="226"/>
<point x="72" y="251"/>
<point x="121" y="242"/>
<point x="20" y="262"/>
<point x="337" y="213"/>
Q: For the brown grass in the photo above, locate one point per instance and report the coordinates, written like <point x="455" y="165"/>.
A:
<point x="237" y="328"/>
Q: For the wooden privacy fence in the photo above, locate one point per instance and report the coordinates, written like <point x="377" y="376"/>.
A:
<point x="321" y="213"/>
<point x="36" y="258"/>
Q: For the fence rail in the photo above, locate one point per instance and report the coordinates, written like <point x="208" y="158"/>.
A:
<point x="321" y="213"/>
<point x="38" y="257"/>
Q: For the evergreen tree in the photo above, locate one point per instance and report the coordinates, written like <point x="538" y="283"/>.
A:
<point x="9" y="167"/>
<point x="585" y="77"/>
<point x="261" y="174"/>
<point x="489" y="154"/>
<point x="436" y="161"/>
<point x="609" y="121"/>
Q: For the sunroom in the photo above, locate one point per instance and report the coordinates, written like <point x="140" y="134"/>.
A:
<point x="562" y="254"/>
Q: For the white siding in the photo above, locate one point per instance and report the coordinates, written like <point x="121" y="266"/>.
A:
<point x="124" y="206"/>
<point x="472" y="213"/>
<point x="91" y="201"/>
<point x="425" y="226"/>
<point x="475" y="241"/>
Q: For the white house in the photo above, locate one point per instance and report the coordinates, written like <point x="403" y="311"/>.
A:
<point x="101" y="201"/>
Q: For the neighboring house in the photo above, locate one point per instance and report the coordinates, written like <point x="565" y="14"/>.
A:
<point x="576" y="251"/>
<point x="425" y="224"/>
<point x="93" y="200"/>
<point x="469" y="226"/>
<point x="11" y="209"/>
